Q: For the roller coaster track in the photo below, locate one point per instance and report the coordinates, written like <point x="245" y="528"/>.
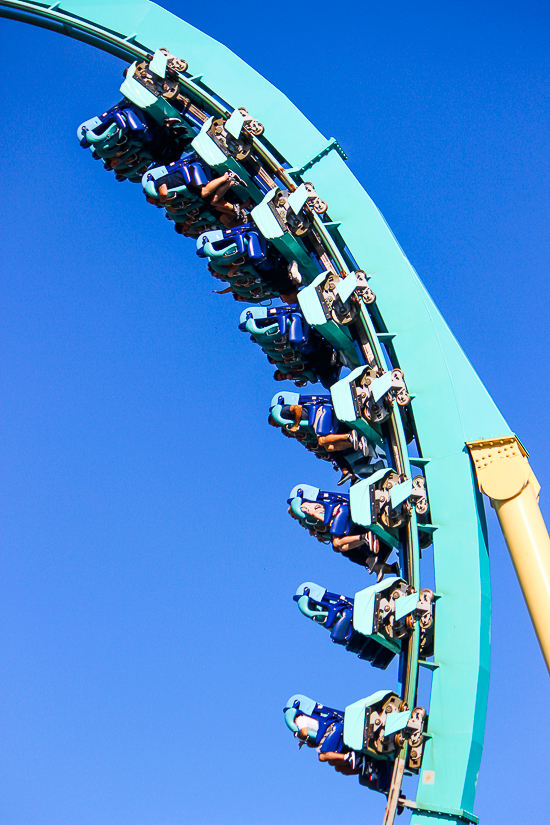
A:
<point x="450" y="408"/>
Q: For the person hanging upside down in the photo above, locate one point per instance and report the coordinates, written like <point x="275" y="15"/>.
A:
<point x="321" y="727"/>
<point x="231" y="213"/>
<point x="344" y="763"/>
<point x="312" y="422"/>
<point x="327" y="517"/>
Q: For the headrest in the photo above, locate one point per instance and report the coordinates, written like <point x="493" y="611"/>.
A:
<point x="134" y="121"/>
<point x="209" y="237"/>
<point x="284" y="398"/>
<point x="301" y="703"/>
<point x="256" y="312"/>
<point x="316" y="592"/>
<point x="304" y="491"/>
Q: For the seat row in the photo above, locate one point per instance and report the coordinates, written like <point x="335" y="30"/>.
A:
<point x="127" y="141"/>
<point x="363" y="738"/>
<point x="375" y="621"/>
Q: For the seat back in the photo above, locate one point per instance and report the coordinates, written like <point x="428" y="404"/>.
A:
<point x="341" y="523"/>
<point x="298" y="329"/>
<point x="322" y="419"/>
<point x="255" y="250"/>
<point x="342" y="627"/>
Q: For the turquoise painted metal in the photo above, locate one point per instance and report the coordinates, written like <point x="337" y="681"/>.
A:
<point x="354" y="719"/>
<point x="450" y="405"/>
<point x="314" y="314"/>
<point x="366" y="619"/>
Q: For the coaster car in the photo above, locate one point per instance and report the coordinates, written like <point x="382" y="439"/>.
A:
<point x="360" y="739"/>
<point x="328" y="517"/>
<point x="183" y="178"/>
<point x="364" y="525"/>
<point x="184" y="204"/>
<point x="373" y="623"/>
<point x="127" y="141"/>
<point x="118" y="126"/>
<point x="241" y="257"/>
<point x="299" y="353"/>
<point x="312" y="421"/>
<point x="191" y="192"/>
<point x="121" y="138"/>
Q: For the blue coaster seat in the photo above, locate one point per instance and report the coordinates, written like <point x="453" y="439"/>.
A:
<point x="373" y="545"/>
<point x="316" y="420"/>
<point x="297" y="350"/>
<point x="184" y="179"/>
<point x="107" y="130"/>
<point x="242" y="257"/>
<point x="357" y="733"/>
<point x="126" y="133"/>
<point x="327" y="735"/>
<point x="336" y="521"/>
<point x="228" y="245"/>
<point x="361" y="625"/>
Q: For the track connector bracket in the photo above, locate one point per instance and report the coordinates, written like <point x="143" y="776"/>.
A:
<point x="332" y="144"/>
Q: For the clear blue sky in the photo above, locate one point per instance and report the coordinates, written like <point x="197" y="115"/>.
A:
<point x="149" y="635"/>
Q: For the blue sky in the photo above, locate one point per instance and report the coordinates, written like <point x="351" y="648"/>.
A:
<point x="149" y="635"/>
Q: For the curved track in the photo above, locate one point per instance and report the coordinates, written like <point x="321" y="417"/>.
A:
<point x="404" y="329"/>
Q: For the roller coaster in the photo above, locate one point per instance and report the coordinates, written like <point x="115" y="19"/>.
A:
<point x="328" y="295"/>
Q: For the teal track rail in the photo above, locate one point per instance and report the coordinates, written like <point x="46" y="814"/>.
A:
<point x="450" y="404"/>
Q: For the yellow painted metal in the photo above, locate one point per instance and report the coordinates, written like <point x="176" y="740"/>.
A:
<point x="504" y="474"/>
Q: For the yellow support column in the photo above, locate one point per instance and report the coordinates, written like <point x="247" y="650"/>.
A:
<point x="504" y="474"/>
